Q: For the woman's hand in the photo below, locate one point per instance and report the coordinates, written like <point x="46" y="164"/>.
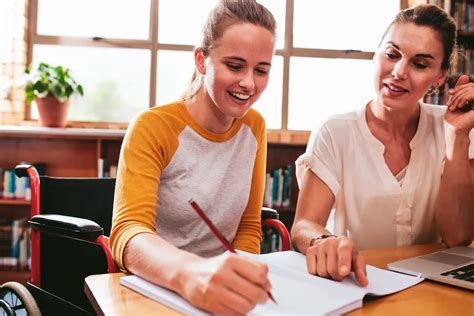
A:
<point x="335" y="258"/>
<point x="459" y="119"/>
<point x="227" y="284"/>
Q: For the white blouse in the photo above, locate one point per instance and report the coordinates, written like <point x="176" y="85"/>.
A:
<point x="372" y="206"/>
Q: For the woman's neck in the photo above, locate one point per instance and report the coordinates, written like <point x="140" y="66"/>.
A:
<point x="386" y="124"/>
<point x="207" y="114"/>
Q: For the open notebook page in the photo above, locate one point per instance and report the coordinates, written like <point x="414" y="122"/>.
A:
<point x="296" y="292"/>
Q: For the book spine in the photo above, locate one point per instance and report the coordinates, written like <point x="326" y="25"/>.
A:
<point x="9" y="184"/>
<point x="1" y="182"/>
<point x="113" y="171"/>
<point x="100" y="168"/>
<point x="287" y="187"/>
<point x="275" y="188"/>
<point x="267" y="199"/>
<point x="280" y="188"/>
<point x="6" y="259"/>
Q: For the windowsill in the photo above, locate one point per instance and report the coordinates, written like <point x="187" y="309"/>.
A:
<point x="275" y="137"/>
<point x="53" y="132"/>
<point x="293" y="138"/>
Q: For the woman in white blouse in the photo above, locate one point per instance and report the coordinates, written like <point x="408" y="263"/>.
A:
<point x="397" y="171"/>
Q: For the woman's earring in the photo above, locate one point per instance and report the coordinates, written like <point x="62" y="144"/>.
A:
<point x="433" y="91"/>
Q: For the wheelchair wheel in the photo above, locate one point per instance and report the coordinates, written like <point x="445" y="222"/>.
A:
<point x="16" y="300"/>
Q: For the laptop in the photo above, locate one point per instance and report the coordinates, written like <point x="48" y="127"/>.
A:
<point x="453" y="266"/>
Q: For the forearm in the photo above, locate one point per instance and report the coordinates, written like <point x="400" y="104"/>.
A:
<point x="156" y="260"/>
<point x="455" y="203"/>
<point x="311" y="214"/>
<point x="302" y="232"/>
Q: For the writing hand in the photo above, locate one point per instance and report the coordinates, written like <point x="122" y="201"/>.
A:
<point x="335" y="258"/>
<point x="226" y="284"/>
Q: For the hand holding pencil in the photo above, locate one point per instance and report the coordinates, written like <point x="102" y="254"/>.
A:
<point x="226" y="283"/>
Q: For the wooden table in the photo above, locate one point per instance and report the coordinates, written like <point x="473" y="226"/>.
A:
<point x="427" y="298"/>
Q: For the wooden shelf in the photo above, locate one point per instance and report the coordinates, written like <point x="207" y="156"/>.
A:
<point x="285" y="137"/>
<point x="14" y="202"/>
<point x="61" y="133"/>
<point x="21" y="276"/>
<point x="465" y="33"/>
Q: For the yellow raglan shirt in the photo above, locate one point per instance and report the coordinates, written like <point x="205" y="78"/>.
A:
<point x="167" y="159"/>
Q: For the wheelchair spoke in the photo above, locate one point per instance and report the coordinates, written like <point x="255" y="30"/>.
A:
<point x="11" y="304"/>
<point x="5" y="308"/>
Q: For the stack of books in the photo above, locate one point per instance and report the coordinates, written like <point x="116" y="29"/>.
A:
<point x="14" y="244"/>
<point x="278" y="188"/>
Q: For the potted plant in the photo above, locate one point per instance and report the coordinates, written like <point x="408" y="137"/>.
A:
<point x="51" y="87"/>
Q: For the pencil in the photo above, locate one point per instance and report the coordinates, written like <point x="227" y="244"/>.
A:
<point x="218" y="234"/>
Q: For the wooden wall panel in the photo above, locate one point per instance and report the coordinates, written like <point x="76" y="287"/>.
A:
<point x="62" y="157"/>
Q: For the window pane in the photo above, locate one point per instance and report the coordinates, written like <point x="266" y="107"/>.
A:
<point x="278" y="9"/>
<point x="269" y="104"/>
<point x="173" y="31"/>
<point x="12" y="27"/>
<point x="335" y="86"/>
<point x="181" y="21"/>
<point x="175" y="70"/>
<point x="342" y="24"/>
<point x="88" y="18"/>
<point x="116" y="81"/>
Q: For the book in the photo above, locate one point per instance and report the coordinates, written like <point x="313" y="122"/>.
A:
<point x="295" y="290"/>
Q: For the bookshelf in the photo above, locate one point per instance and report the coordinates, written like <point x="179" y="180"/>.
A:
<point x="74" y="152"/>
<point x="64" y="152"/>
<point x="280" y="155"/>
<point x="14" y="202"/>
<point x="463" y="13"/>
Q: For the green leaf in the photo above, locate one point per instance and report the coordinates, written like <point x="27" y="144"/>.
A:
<point x="45" y="80"/>
<point x="30" y="96"/>
<point x="58" y="91"/>
<point x="39" y="86"/>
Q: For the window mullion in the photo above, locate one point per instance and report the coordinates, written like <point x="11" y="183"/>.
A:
<point x="331" y="53"/>
<point x="176" y="47"/>
<point x="286" y="62"/>
<point x="89" y="41"/>
<point x="154" y="50"/>
<point x="32" y="22"/>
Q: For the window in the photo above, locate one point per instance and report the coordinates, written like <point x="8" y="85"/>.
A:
<point x="133" y="54"/>
<point x="12" y="60"/>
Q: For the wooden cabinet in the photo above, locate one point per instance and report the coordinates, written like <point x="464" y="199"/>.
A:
<point x="64" y="152"/>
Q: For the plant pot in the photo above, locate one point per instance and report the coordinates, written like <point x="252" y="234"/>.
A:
<point x="52" y="112"/>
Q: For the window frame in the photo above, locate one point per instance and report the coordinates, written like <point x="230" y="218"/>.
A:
<point x="154" y="46"/>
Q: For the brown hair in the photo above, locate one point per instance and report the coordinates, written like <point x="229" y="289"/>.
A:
<point x="435" y="18"/>
<point x="225" y="14"/>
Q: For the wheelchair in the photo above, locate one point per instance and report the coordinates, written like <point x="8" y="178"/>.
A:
<point x="70" y="221"/>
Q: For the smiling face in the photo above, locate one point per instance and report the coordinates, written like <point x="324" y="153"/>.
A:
<point x="237" y="69"/>
<point x="407" y="63"/>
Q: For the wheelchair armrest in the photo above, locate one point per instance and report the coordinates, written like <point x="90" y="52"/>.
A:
<point x="21" y="171"/>
<point x="67" y="226"/>
<point x="269" y="213"/>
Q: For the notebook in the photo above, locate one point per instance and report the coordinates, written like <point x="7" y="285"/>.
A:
<point x="453" y="266"/>
<point x="295" y="291"/>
